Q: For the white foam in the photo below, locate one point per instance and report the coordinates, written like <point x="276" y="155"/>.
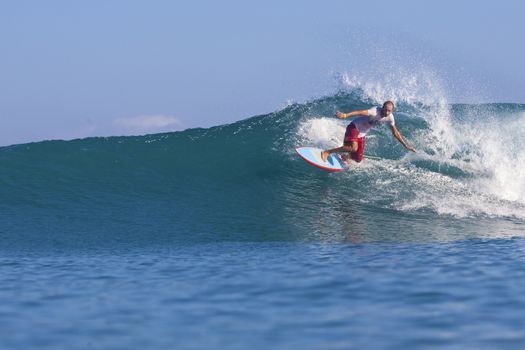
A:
<point x="321" y="132"/>
<point x="489" y="150"/>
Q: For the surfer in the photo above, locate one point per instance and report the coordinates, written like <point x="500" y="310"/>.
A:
<point x="354" y="141"/>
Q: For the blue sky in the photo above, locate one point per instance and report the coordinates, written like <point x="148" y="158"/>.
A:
<point x="94" y="68"/>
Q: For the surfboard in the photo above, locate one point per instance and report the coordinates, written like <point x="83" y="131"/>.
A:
<point x="313" y="156"/>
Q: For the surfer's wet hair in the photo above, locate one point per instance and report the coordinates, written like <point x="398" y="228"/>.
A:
<point x="389" y="103"/>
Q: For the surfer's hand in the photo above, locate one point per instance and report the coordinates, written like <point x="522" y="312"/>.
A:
<point x="340" y="115"/>
<point x="412" y="149"/>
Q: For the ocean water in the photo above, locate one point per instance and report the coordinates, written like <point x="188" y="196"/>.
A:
<point x="224" y="238"/>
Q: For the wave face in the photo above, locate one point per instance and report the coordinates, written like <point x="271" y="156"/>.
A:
<point x="244" y="182"/>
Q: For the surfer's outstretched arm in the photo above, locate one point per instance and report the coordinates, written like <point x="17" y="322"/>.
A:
<point x="398" y="136"/>
<point x="351" y="114"/>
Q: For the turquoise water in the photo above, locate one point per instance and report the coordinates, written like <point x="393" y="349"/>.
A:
<point x="225" y="238"/>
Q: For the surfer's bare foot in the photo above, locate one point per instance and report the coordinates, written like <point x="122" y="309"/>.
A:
<point x="325" y="155"/>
